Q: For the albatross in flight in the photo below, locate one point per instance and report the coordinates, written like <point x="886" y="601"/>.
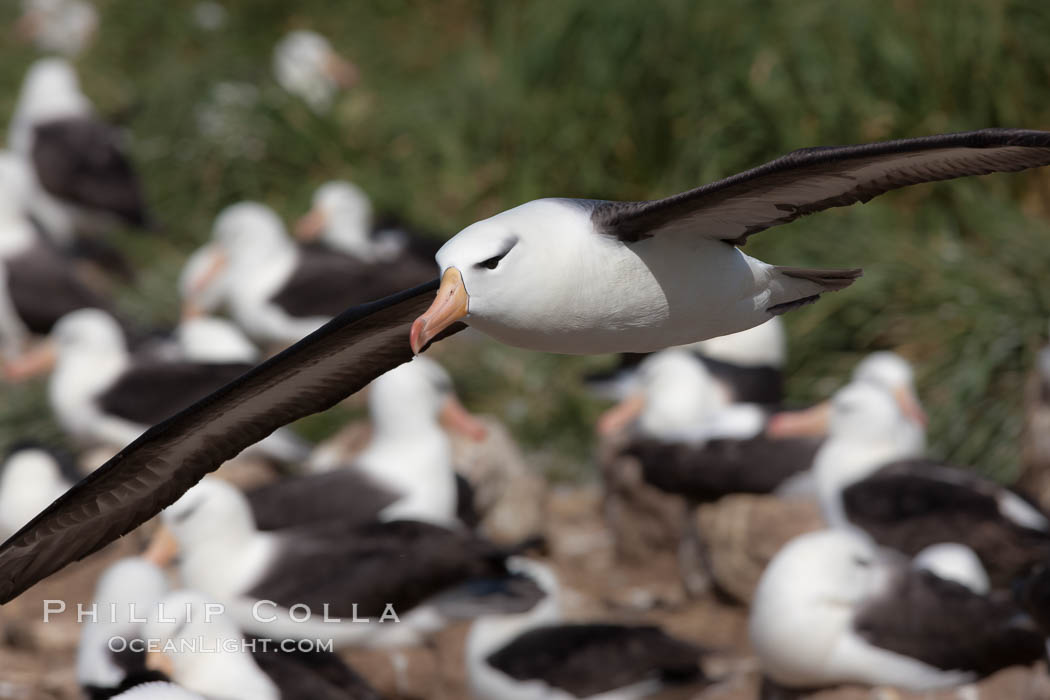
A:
<point x="563" y="275"/>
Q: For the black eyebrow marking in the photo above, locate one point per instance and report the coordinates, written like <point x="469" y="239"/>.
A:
<point x="491" y="263"/>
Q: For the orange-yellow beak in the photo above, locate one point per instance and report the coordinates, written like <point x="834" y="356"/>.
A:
<point x="191" y="307"/>
<point x="910" y="406"/>
<point x="310" y="227"/>
<point x="621" y="415"/>
<point x="808" y="422"/>
<point x="459" y="420"/>
<point x="449" y="306"/>
<point x="158" y="660"/>
<point x="162" y="547"/>
<point x="344" y="73"/>
<point x="32" y="363"/>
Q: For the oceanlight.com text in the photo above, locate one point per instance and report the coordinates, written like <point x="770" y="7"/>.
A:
<point x="212" y="645"/>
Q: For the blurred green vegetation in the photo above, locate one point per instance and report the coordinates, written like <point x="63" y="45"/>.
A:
<point x="469" y="107"/>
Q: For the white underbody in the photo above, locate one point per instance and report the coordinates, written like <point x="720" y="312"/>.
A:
<point x="718" y="290"/>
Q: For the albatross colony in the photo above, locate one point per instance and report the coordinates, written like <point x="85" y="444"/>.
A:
<point x="561" y="275"/>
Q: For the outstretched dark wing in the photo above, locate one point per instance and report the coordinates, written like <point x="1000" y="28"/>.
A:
<point x="149" y="474"/>
<point x="82" y="160"/>
<point x="814" y="179"/>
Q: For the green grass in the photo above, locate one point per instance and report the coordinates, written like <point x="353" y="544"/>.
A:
<point x="467" y="108"/>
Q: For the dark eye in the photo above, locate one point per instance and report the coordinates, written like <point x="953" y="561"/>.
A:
<point x="862" y="561"/>
<point x="492" y="262"/>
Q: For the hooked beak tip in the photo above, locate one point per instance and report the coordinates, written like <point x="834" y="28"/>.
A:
<point x="450" y="305"/>
<point x="416" y="336"/>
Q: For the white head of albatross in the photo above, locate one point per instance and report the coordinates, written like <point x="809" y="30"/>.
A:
<point x="341" y="215"/>
<point x="220" y="550"/>
<point x="249" y="233"/>
<point x="50" y="90"/>
<point x="890" y="370"/>
<point x="305" y="65"/>
<point x="679" y="401"/>
<point x="883" y="369"/>
<point x="31" y="477"/>
<point x="64" y="26"/>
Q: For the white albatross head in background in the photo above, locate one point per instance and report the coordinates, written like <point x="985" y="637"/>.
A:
<point x="678" y="400"/>
<point x="63" y="26"/>
<point x="30" y="479"/>
<point x="884" y="369"/>
<point x="220" y="550"/>
<point x="305" y="65"/>
<point x="341" y="216"/>
<point x="249" y="233"/>
<point x="894" y="373"/>
<point x="50" y="90"/>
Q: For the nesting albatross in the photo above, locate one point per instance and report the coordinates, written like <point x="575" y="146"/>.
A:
<point x="572" y="276"/>
<point x="867" y="477"/>
<point x="86" y="181"/>
<point x="871" y="617"/>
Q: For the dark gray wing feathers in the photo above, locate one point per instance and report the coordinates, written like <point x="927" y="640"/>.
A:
<point x="814" y="179"/>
